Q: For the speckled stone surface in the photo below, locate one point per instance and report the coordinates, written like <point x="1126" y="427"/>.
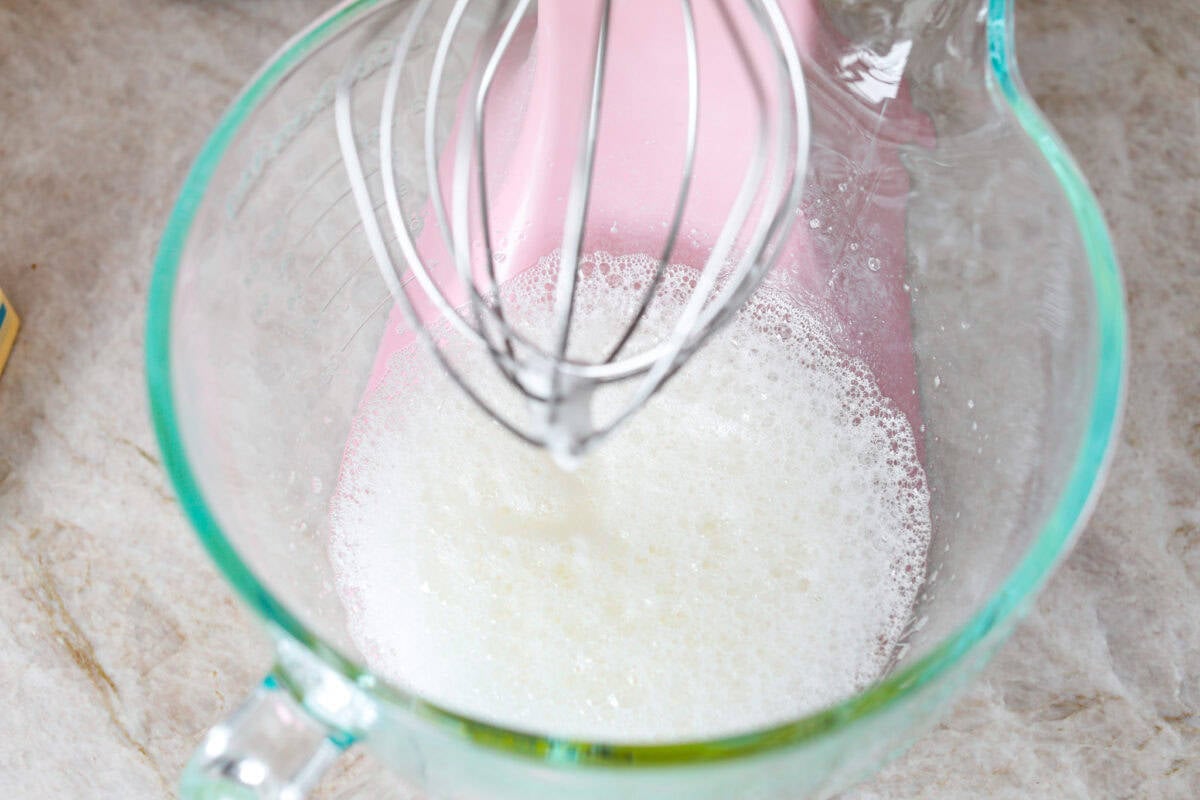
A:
<point x="120" y="645"/>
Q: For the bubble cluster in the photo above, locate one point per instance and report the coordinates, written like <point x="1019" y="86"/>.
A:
<point x="745" y="550"/>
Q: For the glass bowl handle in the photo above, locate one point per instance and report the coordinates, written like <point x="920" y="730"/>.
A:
<point x="270" y="748"/>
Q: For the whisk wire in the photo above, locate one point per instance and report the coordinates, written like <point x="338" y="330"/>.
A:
<point x="343" y="118"/>
<point x="405" y="236"/>
<point x="404" y="233"/>
<point x="578" y="200"/>
<point x="479" y="122"/>
<point x="704" y="314"/>
<point x="685" y="184"/>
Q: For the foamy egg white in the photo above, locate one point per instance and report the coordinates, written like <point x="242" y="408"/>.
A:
<point x="745" y="550"/>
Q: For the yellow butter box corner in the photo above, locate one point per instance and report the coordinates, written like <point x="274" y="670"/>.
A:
<point x="9" y="322"/>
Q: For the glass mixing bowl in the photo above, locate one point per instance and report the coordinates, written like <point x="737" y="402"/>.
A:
<point x="265" y="311"/>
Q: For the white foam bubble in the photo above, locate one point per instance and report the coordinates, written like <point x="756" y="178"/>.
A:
<point x="747" y="549"/>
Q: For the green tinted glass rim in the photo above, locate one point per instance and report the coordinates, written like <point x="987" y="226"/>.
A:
<point x="1064" y="523"/>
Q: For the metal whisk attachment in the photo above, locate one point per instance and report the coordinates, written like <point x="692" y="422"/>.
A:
<point x="737" y="56"/>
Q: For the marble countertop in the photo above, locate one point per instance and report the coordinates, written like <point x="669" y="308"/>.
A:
<point x="119" y="643"/>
